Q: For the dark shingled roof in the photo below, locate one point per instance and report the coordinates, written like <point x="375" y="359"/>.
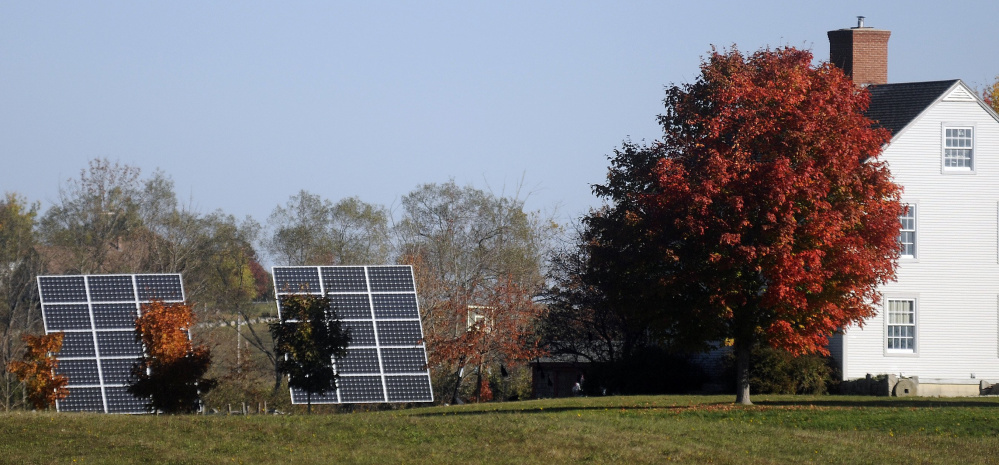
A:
<point x="894" y="106"/>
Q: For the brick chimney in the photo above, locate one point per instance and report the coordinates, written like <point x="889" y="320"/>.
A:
<point x="861" y="52"/>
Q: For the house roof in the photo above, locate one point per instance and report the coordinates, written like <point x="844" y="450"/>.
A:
<point x="894" y="106"/>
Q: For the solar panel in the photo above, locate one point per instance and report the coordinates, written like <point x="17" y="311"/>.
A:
<point x="97" y="314"/>
<point x="386" y="358"/>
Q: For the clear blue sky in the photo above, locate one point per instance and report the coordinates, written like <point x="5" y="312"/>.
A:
<point x="245" y="103"/>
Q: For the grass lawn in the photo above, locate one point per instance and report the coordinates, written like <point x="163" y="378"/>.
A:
<point x="640" y="429"/>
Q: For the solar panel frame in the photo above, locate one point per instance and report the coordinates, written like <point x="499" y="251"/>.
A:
<point x="380" y="307"/>
<point x="97" y="315"/>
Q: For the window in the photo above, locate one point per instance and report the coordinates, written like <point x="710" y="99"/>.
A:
<point x="959" y="149"/>
<point x="478" y="318"/>
<point x="901" y="325"/>
<point x="907" y="231"/>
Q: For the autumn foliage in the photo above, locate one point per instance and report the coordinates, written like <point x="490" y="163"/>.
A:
<point x="171" y="372"/>
<point x="499" y="332"/>
<point x="764" y="216"/>
<point x="476" y="258"/>
<point x="37" y="370"/>
<point x="991" y="95"/>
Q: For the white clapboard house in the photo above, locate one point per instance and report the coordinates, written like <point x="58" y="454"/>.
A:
<point x="937" y="329"/>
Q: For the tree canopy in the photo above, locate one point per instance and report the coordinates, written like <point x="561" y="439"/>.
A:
<point x="310" y="230"/>
<point x="171" y="373"/>
<point x="763" y="216"/>
<point x="476" y="257"/>
<point x="19" y="265"/>
<point x="307" y="339"/>
<point x="37" y="370"/>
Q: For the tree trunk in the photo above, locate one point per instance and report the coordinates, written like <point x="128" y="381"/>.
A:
<point x="277" y="377"/>
<point x="742" y="354"/>
<point x="457" y="384"/>
<point x="478" y="385"/>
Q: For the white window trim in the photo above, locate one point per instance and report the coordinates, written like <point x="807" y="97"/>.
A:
<point x="974" y="147"/>
<point x="915" y="241"/>
<point x="917" y="334"/>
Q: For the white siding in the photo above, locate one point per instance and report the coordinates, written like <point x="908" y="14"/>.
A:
<point x="955" y="274"/>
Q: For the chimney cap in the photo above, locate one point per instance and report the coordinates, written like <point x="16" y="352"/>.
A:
<point x="860" y="22"/>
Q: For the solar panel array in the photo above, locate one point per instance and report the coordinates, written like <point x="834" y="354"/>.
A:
<point x="97" y="315"/>
<point x="386" y="359"/>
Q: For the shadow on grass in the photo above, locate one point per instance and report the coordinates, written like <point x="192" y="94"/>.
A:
<point x="832" y="402"/>
<point x="551" y="410"/>
<point x="924" y="402"/>
<point x="508" y="409"/>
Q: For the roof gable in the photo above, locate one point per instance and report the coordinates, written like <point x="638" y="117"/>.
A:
<point x="960" y="94"/>
<point x="894" y="106"/>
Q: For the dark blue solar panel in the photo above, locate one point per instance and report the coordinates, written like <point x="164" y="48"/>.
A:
<point x="79" y="372"/>
<point x="56" y="289"/>
<point x="395" y="306"/>
<point x="391" y="278"/>
<point x="409" y="388"/>
<point x="299" y="396"/>
<point x="402" y="333"/>
<point x="61" y="317"/>
<point x="362" y="333"/>
<point x="295" y="280"/>
<point x="358" y="361"/>
<point x="112" y="316"/>
<point x="361" y="389"/>
<point x="101" y="308"/>
<point x="118" y="343"/>
<point x="344" y="279"/>
<point x="164" y="287"/>
<point x="122" y="401"/>
<point x="409" y="360"/>
<point x="351" y="306"/>
<point x="366" y="298"/>
<point x="111" y="288"/>
<point x="82" y="400"/>
<point x="77" y="345"/>
<point x="118" y="370"/>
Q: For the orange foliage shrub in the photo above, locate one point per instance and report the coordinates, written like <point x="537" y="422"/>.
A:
<point x="163" y="330"/>
<point x="171" y="371"/>
<point x="37" y="370"/>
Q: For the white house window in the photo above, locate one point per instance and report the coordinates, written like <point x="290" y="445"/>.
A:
<point x="959" y="148"/>
<point x="901" y="325"/>
<point x="907" y="231"/>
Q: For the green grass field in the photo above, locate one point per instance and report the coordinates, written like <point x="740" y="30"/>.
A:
<point x="641" y="429"/>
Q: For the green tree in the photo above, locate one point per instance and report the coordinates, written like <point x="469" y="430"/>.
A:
<point x="308" y="338"/>
<point x="172" y="236"/>
<point x="764" y="216"/>
<point x="226" y="279"/>
<point x="310" y="230"/>
<point x="96" y="215"/>
<point x="592" y="310"/>
<point x="471" y="250"/>
<point x="19" y="265"/>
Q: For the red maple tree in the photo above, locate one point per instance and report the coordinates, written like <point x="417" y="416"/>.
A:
<point x="765" y="212"/>
<point x="37" y="370"/>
